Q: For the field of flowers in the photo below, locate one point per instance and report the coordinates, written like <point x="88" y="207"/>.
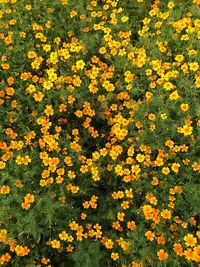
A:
<point x="99" y="133"/>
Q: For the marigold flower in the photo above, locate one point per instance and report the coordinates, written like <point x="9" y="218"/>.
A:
<point x="184" y="107"/>
<point x="5" y="190"/>
<point x="109" y="244"/>
<point x="174" y="95"/>
<point x="177" y="247"/>
<point x="166" y="214"/>
<point x="190" y="240"/>
<point x="165" y="170"/>
<point x="150" y="235"/>
<point x="175" y="167"/>
<point x="194" y="66"/>
<point x="189" y="254"/>
<point x="38" y="96"/>
<point x="55" y="243"/>
<point x="25" y="205"/>
<point x="29" y="198"/>
<point x="131" y="225"/>
<point x="63" y="235"/>
<point x="162" y="255"/>
<point x="187" y="130"/>
<point x="168" y="86"/>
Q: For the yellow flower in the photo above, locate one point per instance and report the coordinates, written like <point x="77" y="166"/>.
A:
<point x="49" y="110"/>
<point x="55" y="243"/>
<point x="25" y="206"/>
<point x="31" y="54"/>
<point x="64" y="2"/>
<point x="28" y="7"/>
<point x="38" y="96"/>
<point x="131" y="225"/>
<point x="120" y="216"/>
<point x="174" y="95"/>
<point x="165" y="170"/>
<point x="47" y="84"/>
<point x="124" y="18"/>
<point x="29" y="198"/>
<point x="187" y="130"/>
<point x="194" y="66"/>
<point x="168" y="86"/>
<point x="179" y="58"/>
<point x="151" y="117"/>
<point x="175" y="167"/>
<point x="190" y="240"/>
<point x="170" y="5"/>
<point x="166" y="214"/>
<point x="102" y="50"/>
<point x="114" y="256"/>
<point x="192" y="52"/>
<point x="162" y="255"/>
<point x="80" y="64"/>
<point x="109" y="244"/>
<point x="4" y="190"/>
<point x="148" y="72"/>
<point x="63" y="235"/>
<point x="140" y="158"/>
<point x="2" y="165"/>
<point x="150" y="235"/>
<point x="108" y="86"/>
<point x="46" y="48"/>
<point x="163" y="116"/>
<point x="184" y="107"/>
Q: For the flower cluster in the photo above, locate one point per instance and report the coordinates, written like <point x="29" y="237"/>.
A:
<point x="99" y="133"/>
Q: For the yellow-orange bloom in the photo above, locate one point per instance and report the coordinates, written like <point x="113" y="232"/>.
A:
<point x="162" y="255"/>
<point x="190" y="240"/>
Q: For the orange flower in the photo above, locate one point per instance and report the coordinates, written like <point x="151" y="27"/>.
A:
<point x="21" y="251"/>
<point x="10" y="91"/>
<point x="160" y="240"/>
<point x="166" y="214"/>
<point x="189" y="254"/>
<point x="162" y="255"/>
<point x="140" y="158"/>
<point x="55" y="243"/>
<point x="165" y="170"/>
<point x="38" y="96"/>
<point x="2" y="165"/>
<point x="109" y="244"/>
<point x="114" y="256"/>
<point x="190" y="240"/>
<point x="177" y="247"/>
<point x="73" y="226"/>
<point x="175" y="167"/>
<point x="120" y="216"/>
<point x="151" y="117"/>
<point x="29" y="198"/>
<point x="26" y="160"/>
<point x="186" y="130"/>
<point x="31" y="54"/>
<point x="4" y="190"/>
<point x="18" y="183"/>
<point x="169" y="143"/>
<point x="25" y="205"/>
<point x="63" y="235"/>
<point x="69" y="248"/>
<point x="49" y="110"/>
<point x="184" y="107"/>
<point x="150" y="235"/>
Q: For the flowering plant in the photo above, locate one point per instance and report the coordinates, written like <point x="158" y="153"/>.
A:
<point x="99" y="133"/>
